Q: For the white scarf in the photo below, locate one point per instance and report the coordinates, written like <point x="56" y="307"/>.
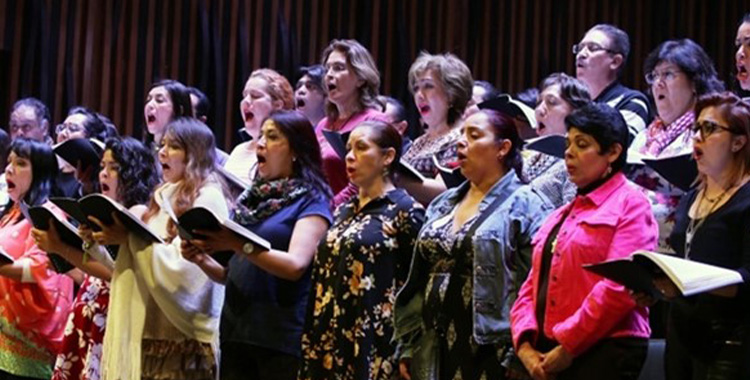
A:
<point x="186" y="296"/>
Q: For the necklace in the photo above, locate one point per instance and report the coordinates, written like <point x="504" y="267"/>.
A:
<point x="696" y="223"/>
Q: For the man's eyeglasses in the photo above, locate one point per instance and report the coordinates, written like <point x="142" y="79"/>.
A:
<point x="591" y="47"/>
<point x="706" y="128"/>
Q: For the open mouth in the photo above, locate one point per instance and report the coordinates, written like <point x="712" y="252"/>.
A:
<point x="300" y="103"/>
<point x="331" y="87"/>
<point x="150" y="118"/>
<point x="11" y="185"/>
<point x="742" y="73"/>
<point x="105" y="187"/>
<point x="661" y="97"/>
<point x="541" y="127"/>
<point x="249" y="116"/>
<point x="164" y="166"/>
<point x="424" y="109"/>
<point x="261" y="159"/>
<point x="697" y="153"/>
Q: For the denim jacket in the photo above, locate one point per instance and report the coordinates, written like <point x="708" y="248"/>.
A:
<point x="502" y="258"/>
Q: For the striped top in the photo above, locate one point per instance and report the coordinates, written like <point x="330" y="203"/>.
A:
<point x="632" y="104"/>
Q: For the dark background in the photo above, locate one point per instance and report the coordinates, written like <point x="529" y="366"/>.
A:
<point x="104" y="53"/>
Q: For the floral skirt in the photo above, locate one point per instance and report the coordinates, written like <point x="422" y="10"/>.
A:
<point x="171" y="360"/>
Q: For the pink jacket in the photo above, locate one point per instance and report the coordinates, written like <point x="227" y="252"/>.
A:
<point x="582" y="308"/>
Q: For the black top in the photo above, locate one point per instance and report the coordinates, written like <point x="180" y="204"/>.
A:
<point x="359" y="266"/>
<point x="544" y="343"/>
<point x="722" y="240"/>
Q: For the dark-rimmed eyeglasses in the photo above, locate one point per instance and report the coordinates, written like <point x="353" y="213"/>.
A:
<point x="706" y="128"/>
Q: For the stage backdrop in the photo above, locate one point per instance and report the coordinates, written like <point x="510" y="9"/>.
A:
<point x="104" y="53"/>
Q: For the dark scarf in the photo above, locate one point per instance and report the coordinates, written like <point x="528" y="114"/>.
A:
<point x="264" y="198"/>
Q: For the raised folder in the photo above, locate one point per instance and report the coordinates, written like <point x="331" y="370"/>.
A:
<point x="102" y="207"/>
<point x="80" y="152"/>
<point x="680" y="171"/>
<point x="40" y="217"/>
<point x="638" y="272"/>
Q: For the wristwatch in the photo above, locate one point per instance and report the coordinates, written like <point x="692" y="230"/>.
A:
<point x="249" y="249"/>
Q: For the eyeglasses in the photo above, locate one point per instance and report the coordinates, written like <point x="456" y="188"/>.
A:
<point x="591" y="47"/>
<point x="667" y="76"/>
<point x="706" y="128"/>
<point x="71" y="128"/>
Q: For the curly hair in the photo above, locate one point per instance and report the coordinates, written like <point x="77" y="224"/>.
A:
<point x="137" y="174"/>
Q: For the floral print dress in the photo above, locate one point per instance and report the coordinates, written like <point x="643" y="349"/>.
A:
<point x="81" y="352"/>
<point x="462" y="357"/>
<point x="677" y="139"/>
<point x="420" y="153"/>
<point x="358" y="269"/>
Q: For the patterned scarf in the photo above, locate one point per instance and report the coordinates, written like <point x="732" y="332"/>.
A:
<point x="660" y="135"/>
<point x="264" y="198"/>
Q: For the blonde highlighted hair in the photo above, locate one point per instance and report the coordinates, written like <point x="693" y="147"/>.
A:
<point x="197" y="140"/>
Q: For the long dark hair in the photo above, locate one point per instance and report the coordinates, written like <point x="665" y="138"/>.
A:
<point x="179" y="95"/>
<point x="505" y="129"/>
<point x="308" y="163"/>
<point x="43" y="170"/>
<point x="137" y="175"/>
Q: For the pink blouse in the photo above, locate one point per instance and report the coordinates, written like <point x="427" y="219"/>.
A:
<point x="582" y="308"/>
<point x="333" y="166"/>
<point x="36" y="307"/>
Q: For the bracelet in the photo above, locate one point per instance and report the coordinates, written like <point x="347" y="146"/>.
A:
<point x="87" y="245"/>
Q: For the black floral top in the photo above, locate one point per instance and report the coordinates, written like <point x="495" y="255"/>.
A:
<point x="358" y="269"/>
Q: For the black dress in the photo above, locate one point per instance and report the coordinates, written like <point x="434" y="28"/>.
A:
<point x="708" y="336"/>
<point x="360" y="265"/>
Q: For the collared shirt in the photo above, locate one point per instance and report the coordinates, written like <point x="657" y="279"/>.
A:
<point x="610" y="222"/>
